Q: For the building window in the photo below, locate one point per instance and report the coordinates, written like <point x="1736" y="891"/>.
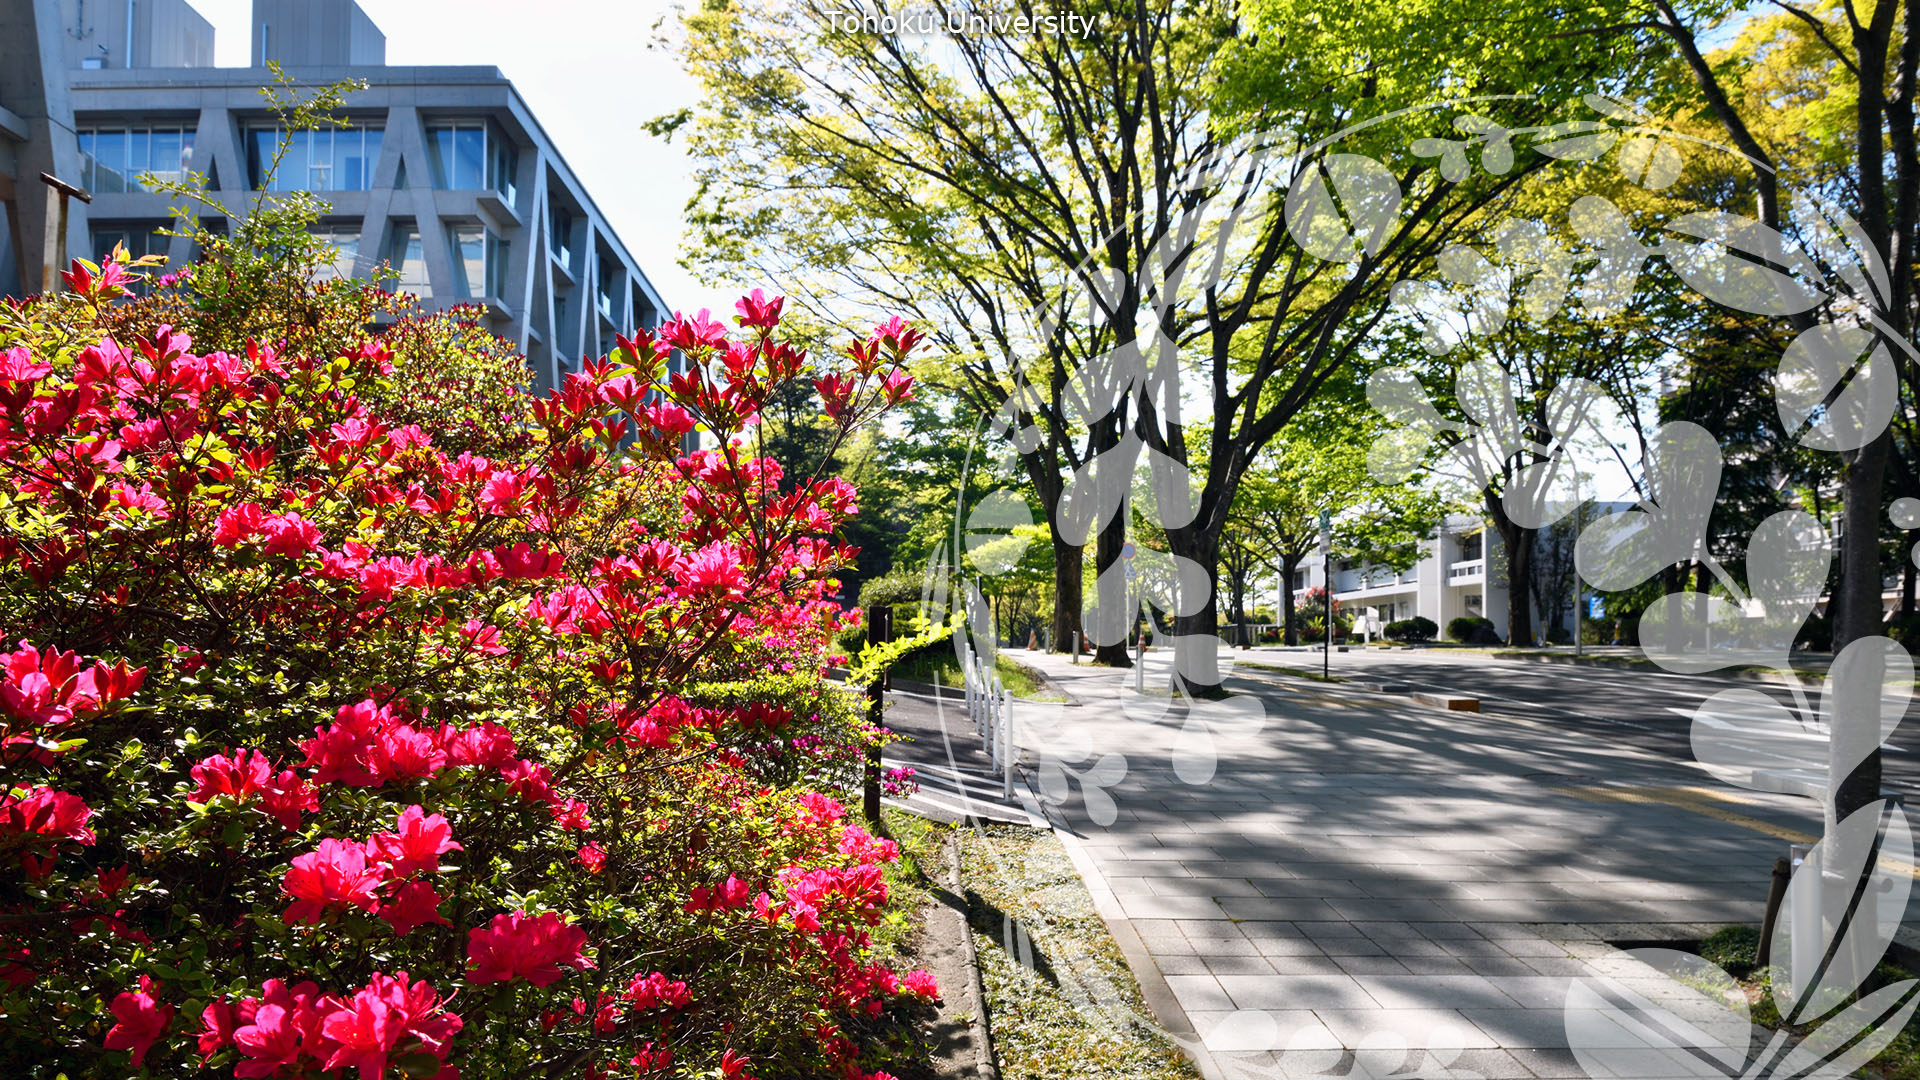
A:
<point x="139" y="240"/>
<point x="409" y="261"/>
<point x="331" y="159"/>
<point x="604" y="271"/>
<point x="560" y="235"/>
<point x="479" y="261"/>
<point x="345" y="242"/>
<point x="472" y="156"/>
<point x="1470" y="547"/>
<point x="113" y="159"/>
<point x="503" y="163"/>
<point x="496" y="267"/>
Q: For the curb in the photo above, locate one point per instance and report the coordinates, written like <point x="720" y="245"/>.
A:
<point x="1628" y="664"/>
<point x="985" y="1063"/>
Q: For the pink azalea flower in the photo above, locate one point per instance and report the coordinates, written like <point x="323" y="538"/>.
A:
<point x="519" y="946"/>
<point x="417" y="845"/>
<point x="335" y="875"/>
<point x="416" y="904"/>
<point x="141" y="1019"/>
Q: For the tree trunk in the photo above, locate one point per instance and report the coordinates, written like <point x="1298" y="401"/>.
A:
<point x="1859" y="617"/>
<point x="1196" y="634"/>
<point x="1907" y="575"/>
<point x="1112" y="587"/>
<point x="1519" y="548"/>
<point x="1288" y="568"/>
<point x="1067" y="576"/>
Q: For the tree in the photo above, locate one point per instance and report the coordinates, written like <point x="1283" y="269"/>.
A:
<point x="1133" y="168"/>
<point x="1320" y="464"/>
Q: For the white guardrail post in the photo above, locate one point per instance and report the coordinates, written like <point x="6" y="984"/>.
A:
<point x="1008" y="755"/>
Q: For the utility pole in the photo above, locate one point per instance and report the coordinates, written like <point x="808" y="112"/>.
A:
<point x="1326" y="551"/>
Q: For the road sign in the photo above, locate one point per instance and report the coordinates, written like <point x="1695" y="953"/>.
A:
<point x="1126" y="551"/>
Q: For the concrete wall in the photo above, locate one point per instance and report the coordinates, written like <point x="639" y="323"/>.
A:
<point x="315" y="33"/>
<point x="36" y="136"/>
<point x="165" y="34"/>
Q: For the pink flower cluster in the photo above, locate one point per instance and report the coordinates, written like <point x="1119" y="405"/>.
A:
<point x="520" y="946"/>
<point x="370" y="744"/>
<point x="248" y="776"/>
<point x="374" y="876"/>
<point x="291" y="1030"/>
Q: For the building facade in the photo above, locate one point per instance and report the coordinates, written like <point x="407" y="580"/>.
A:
<point x="440" y="173"/>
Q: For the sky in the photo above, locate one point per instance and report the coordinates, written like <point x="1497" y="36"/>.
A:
<point x="588" y="72"/>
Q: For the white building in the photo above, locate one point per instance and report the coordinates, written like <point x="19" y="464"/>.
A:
<point x="1462" y="571"/>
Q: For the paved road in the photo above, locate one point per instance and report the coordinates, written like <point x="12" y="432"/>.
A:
<point x="1330" y="869"/>
<point x="1648" y="709"/>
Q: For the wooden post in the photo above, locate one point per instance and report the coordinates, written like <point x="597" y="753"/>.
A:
<point x="879" y="630"/>
<point x="54" y="252"/>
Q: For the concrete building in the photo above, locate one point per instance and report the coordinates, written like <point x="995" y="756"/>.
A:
<point x="1462" y="571"/>
<point x="443" y="173"/>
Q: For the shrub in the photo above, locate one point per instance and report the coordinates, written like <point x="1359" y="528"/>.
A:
<point x="1412" y="631"/>
<point x="332" y="742"/>
<point x="1905" y="630"/>
<point x="1472" y="630"/>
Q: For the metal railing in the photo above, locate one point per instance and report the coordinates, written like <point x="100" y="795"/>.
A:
<point x="990" y="707"/>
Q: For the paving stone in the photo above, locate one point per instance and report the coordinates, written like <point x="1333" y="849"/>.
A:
<point x="1247" y="1032"/>
<point x="1370" y="965"/>
<point x="1493" y="1064"/>
<point x="1199" y="992"/>
<point x="1557" y="965"/>
<point x="1497" y="965"/>
<point x="1549" y="1027"/>
<point x="1419" y="1027"/>
<point x="1171" y="907"/>
<point x="1435" y="991"/>
<point x="1237" y="965"/>
<point x="1316" y="963"/>
<point x="1435" y="965"/>
<point x="1296" y="992"/>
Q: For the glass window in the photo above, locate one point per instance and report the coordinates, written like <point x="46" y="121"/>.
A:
<point x="560" y="235"/>
<point x="502" y="163"/>
<point x="167" y="161"/>
<point x="469" y="259"/>
<point x="469" y="158"/>
<point x="320" y="161"/>
<point x="345" y="242"/>
<point x="440" y="140"/>
<point x="460" y="161"/>
<point x="330" y="159"/>
<point x="138" y="155"/>
<point x="293" y="167"/>
<point x="356" y="160"/>
<point x="109" y="161"/>
<point x="409" y="261"/>
<point x="113" y="159"/>
<point x="496" y="267"/>
<point x="603" y="280"/>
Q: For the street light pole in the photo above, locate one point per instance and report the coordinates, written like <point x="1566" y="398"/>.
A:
<point x="1326" y="549"/>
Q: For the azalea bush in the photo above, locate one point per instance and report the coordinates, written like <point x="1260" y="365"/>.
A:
<point x="362" y="714"/>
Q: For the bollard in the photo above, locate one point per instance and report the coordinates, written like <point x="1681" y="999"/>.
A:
<point x="1803" y="912"/>
<point x="1140" y="665"/>
<point x="1076" y="646"/>
<point x="1008" y="757"/>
